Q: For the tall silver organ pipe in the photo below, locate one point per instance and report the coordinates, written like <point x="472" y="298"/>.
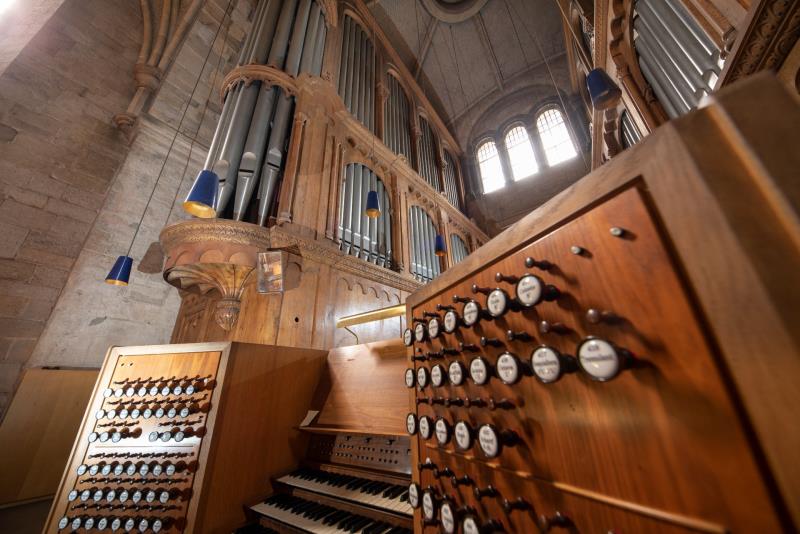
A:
<point x="248" y="149"/>
<point x="427" y="155"/>
<point x="397" y="124"/>
<point x="676" y="56"/>
<point x="359" y="235"/>
<point x="449" y="180"/>
<point x="629" y="133"/>
<point x="458" y="249"/>
<point x="424" y="261"/>
<point x="357" y="73"/>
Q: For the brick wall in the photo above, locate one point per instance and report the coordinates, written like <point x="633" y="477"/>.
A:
<point x="72" y="189"/>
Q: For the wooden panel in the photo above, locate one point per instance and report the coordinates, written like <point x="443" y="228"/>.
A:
<point x="659" y="435"/>
<point x="304" y="316"/>
<point x="266" y="393"/>
<point x="153" y="364"/>
<point x="38" y="430"/>
<point x="366" y="390"/>
<point x="249" y="410"/>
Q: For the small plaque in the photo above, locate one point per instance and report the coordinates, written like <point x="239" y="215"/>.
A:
<point x="413" y="495"/>
<point x="408" y="337"/>
<point x="599" y="359"/>
<point x="433" y="328"/>
<point x="529" y="290"/>
<point x="419" y="332"/>
<point x="447" y="518"/>
<point x="442" y="430"/>
<point x="546" y="364"/>
<point x="497" y="302"/>
<point x="463" y="434"/>
<point x="508" y="368"/>
<point x="422" y="377"/>
<point x="425" y="427"/>
<point x="479" y="371"/>
<point x="489" y="441"/>
<point x="450" y="321"/>
<point x="411" y="424"/>
<point x="428" y="505"/>
<point x="456" y="373"/>
<point x="472" y="311"/>
<point x="410" y="378"/>
<point x="437" y="375"/>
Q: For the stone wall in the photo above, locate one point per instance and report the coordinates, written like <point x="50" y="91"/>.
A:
<point x="73" y="189"/>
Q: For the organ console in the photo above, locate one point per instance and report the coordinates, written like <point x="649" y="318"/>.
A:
<point x="588" y="392"/>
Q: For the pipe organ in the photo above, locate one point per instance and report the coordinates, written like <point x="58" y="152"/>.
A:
<point x="359" y="235"/>
<point x="449" y="180"/>
<point x="357" y="73"/>
<point x="424" y="262"/>
<point x="458" y="249"/>
<point x="677" y="58"/>
<point x="427" y="155"/>
<point x="249" y="146"/>
<point x="397" y="120"/>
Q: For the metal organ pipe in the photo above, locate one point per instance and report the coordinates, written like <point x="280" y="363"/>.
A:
<point x="359" y="235"/>
<point x="249" y="143"/>
<point x="677" y="58"/>
<point x="253" y="151"/>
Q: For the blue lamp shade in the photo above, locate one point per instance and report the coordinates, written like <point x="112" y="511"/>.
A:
<point x="121" y="271"/>
<point x="203" y="196"/>
<point x="373" y="206"/>
<point x="602" y="89"/>
<point x="439" y="246"/>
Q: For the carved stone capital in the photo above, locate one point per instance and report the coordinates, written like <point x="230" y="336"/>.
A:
<point x="147" y="76"/>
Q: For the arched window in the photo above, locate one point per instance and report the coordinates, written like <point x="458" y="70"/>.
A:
<point x="359" y="235"/>
<point x="424" y="261"/>
<point x="458" y="249"/>
<point x="556" y="142"/>
<point x="490" y="167"/>
<point x="520" y="153"/>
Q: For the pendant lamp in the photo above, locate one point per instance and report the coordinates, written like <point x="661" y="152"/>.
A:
<point x="373" y="210"/>
<point x="439" y="246"/>
<point x="602" y="89"/>
<point x="203" y="195"/>
<point x="120" y="273"/>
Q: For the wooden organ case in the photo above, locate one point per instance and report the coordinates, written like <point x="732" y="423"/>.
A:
<point x="609" y="363"/>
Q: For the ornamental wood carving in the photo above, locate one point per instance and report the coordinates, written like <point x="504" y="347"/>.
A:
<point x="767" y="41"/>
<point x="264" y="73"/>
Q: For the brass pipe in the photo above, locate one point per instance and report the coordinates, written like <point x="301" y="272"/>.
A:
<point x="370" y="316"/>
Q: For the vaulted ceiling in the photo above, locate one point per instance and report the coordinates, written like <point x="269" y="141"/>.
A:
<point x="465" y="51"/>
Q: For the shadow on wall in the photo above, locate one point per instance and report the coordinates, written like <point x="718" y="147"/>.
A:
<point x="506" y="206"/>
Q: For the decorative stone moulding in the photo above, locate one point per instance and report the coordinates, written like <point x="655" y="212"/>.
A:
<point x="206" y="255"/>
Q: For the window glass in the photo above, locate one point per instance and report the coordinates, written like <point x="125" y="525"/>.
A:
<point x="556" y="141"/>
<point x="490" y="167"/>
<point x="520" y="153"/>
